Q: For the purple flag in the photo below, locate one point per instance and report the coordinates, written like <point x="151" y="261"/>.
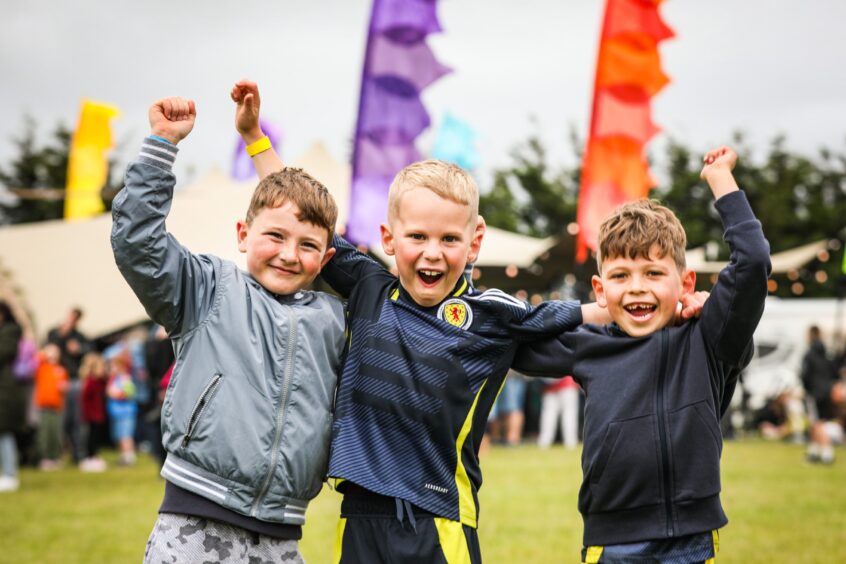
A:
<point x="242" y="164"/>
<point x="398" y="65"/>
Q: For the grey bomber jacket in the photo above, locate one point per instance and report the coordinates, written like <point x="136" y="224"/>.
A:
<point x="247" y="415"/>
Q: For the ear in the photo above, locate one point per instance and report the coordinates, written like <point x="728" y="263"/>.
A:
<point x="330" y="252"/>
<point x="387" y="239"/>
<point x="242" y="229"/>
<point x="599" y="291"/>
<point x="476" y="241"/>
<point x="688" y="282"/>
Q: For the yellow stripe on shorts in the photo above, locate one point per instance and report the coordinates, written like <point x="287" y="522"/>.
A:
<point x="593" y="554"/>
<point x="339" y="539"/>
<point x="453" y="542"/>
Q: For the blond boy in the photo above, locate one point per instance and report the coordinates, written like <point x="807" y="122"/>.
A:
<point x="655" y="392"/>
<point x="246" y="418"/>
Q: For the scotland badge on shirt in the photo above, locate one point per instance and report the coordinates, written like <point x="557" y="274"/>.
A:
<point x="456" y="312"/>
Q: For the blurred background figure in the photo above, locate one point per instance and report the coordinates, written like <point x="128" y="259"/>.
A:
<point x="94" y="378"/>
<point x="560" y="403"/>
<point x="12" y="400"/>
<point x="505" y="422"/>
<point x="121" y="406"/>
<point x="783" y="418"/>
<point x="819" y="377"/>
<point x="51" y="385"/>
<point x="72" y="346"/>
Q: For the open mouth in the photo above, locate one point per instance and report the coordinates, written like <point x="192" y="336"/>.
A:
<point x="429" y="277"/>
<point x="640" y="311"/>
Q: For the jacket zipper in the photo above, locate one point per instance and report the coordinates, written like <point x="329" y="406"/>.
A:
<point x="662" y="434"/>
<point x="281" y="412"/>
<point x="200" y="407"/>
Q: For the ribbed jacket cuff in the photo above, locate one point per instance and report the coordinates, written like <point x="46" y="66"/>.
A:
<point x="158" y="153"/>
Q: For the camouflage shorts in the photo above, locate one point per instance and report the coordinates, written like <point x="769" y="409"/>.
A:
<point x="180" y="538"/>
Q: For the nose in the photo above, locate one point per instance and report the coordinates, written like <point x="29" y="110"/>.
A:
<point x="288" y="251"/>
<point x="432" y="250"/>
<point x="636" y="283"/>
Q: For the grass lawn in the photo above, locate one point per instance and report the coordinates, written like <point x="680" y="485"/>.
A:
<point x="781" y="510"/>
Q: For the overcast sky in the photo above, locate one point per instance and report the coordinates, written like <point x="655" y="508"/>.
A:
<point x="763" y="66"/>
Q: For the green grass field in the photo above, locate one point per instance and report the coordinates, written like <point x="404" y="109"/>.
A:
<point x="782" y="510"/>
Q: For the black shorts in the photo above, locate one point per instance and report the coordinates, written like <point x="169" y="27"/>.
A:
<point x="375" y="529"/>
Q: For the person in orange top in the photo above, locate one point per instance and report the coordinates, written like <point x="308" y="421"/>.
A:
<point x="51" y="383"/>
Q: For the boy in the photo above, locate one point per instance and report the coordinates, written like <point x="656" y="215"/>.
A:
<point x="246" y="418"/>
<point x="426" y="359"/>
<point x="654" y="392"/>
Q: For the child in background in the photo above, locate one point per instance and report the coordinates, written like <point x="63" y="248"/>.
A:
<point x="560" y="402"/>
<point x="122" y="407"/>
<point x="51" y="383"/>
<point x="94" y="377"/>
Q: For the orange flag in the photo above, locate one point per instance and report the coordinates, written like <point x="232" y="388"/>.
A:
<point x="628" y="74"/>
<point x="87" y="165"/>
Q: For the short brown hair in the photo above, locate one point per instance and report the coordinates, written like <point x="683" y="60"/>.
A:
<point x="445" y="179"/>
<point x="635" y="228"/>
<point x="316" y="204"/>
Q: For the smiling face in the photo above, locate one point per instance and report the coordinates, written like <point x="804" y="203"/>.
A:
<point x="642" y="293"/>
<point x="284" y="254"/>
<point x="432" y="239"/>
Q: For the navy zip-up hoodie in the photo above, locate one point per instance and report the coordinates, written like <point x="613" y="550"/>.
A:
<point x="652" y="441"/>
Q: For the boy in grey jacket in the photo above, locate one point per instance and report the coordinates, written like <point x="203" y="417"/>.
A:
<point x="247" y="415"/>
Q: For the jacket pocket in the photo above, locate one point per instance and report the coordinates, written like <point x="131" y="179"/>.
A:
<point x="697" y="444"/>
<point x="200" y="408"/>
<point x="625" y="473"/>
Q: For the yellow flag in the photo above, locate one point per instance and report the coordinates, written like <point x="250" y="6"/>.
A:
<point x="87" y="165"/>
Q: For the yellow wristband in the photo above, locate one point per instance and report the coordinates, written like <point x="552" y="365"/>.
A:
<point x="259" y="146"/>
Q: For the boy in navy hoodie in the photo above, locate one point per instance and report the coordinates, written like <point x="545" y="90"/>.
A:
<point x="655" y="392"/>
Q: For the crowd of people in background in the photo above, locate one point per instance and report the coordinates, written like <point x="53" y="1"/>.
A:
<point x="67" y="399"/>
<point x="72" y="397"/>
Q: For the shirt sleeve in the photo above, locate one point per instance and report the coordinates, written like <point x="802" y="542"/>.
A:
<point x="348" y="267"/>
<point x="547" y="358"/>
<point x="734" y="308"/>
<point x="175" y="286"/>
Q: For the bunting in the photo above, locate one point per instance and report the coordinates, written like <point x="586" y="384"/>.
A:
<point x="398" y="65"/>
<point x="628" y="75"/>
<point x="87" y="165"/>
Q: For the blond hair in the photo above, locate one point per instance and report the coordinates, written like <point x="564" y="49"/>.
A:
<point x="90" y="362"/>
<point x="446" y="180"/>
<point x="316" y="204"/>
<point x="637" y="228"/>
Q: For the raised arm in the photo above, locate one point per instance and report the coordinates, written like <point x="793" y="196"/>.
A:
<point x="736" y="303"/>
<point x="170" y="282"/>
<point x="245" y="94"/>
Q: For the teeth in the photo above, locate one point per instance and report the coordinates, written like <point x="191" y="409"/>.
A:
<point x="640" y="307"/>
<point x="429" y="272"/>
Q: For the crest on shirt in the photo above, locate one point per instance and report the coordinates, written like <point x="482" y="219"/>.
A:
<point x="456" y="312"/>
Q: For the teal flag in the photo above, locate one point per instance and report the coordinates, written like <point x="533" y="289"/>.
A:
<point x="456" y="143"/>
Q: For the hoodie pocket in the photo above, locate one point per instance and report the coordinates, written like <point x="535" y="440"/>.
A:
<point x="200" y="407"/>
<point x="625" y="473"/>
<point x="697" y="444"/>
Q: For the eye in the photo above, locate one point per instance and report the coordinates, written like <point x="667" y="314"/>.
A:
<point x="310" y="246"/>
<point x="275" y="236"/>
<point x="450" y="239"/>
<point x="617" y="275"/>
<point x="655" y="273"/>
<point x="417" y="236"/>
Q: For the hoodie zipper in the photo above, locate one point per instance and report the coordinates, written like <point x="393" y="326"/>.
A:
<point x="662" y="433"/>
<point x="200" y="407"/>
<point x="281" y="411"/>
